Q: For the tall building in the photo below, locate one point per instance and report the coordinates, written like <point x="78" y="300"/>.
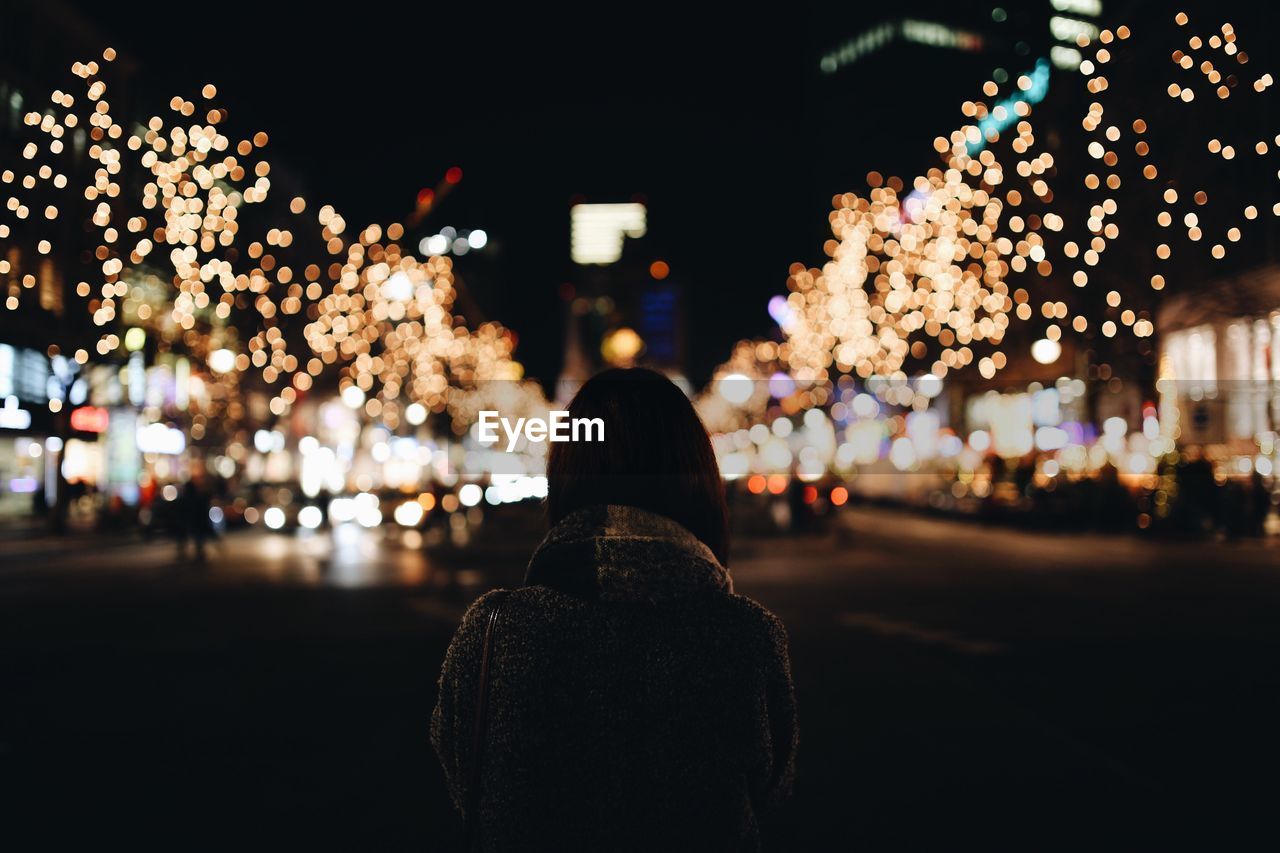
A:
<point x="624" y="302"/>
<point x="884" y="85"/>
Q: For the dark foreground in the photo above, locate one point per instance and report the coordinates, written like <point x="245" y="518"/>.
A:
<point x="959" y="687"/>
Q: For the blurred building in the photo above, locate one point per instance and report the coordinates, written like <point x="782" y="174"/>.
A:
<point x="624" y="303"/>
<point x="50" y="437"/>
<point x="1219" y="371"/>
<point x="89" y="430"/>
<point x="929" y="57"/>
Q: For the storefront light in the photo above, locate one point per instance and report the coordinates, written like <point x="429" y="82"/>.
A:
<point x="781" y="385"/>
<point x="158" y="438"/>
<point x="369" y="516"/>
<point x="865" y="439"/>
<point x="902" y="453"/>
<point x="222" y="361"/>
<point x="810" y="470"/>
<point x="310" y="517"/>
<point x="409" y="514"/>
<point x="90" y="419"/>
<point x="929" y="385"/>
<point x="352" y="397"/>
<point x="182" y="383"/>
<point x="844" y="455"/>
<point x="342" y="510"/>
<point x="24" y="485"/>
<point x="735" y="388"/>
<point x="1046" y="351"/>
<point x="366" y="510"/>
<point x="776" y="455"/>
<point x="1139" y="463"/>
<point x="1051" y="438"/>
<point x="735" y="465"/>
<point x="135" y="339"/>
<point x="320" y="470"/>
<point x="265" y="441"/>
<point x="922" y="429"/>
<point x="865" y="406"/>
<point x="273" y="518"/>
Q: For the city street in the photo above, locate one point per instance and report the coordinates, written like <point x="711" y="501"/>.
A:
<point x="961" y="319"/>
<point x="958" y="686"/>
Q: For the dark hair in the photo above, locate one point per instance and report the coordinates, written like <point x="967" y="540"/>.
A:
<point x="656" y="455"/>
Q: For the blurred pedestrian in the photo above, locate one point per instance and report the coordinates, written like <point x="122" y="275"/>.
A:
<point x="800" y="511"/>
<point x="1260" y="496"/>
<point x="633" y="701"/>
<point x="193" y="520"/>
<point x="1198" y="492"/>
<point x="1236" y="508"/>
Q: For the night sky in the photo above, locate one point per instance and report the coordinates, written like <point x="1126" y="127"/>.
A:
<point x="720" y="124"/>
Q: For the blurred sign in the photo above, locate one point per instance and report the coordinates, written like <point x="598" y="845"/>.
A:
<point x="659" y="323"/>
<point x="158" y="438"/>
<point x="122" y="455"/>
<point x="1070" y="27"/>
<point x="1011" y="424"/>
<point x="136" y="375"/>
<point x="597" y="231"/>
<point x="23" y="374"/>
<point x="8" y="358"/>
<point x="90" y="419"/>
<point x="928" y="33"/>
<point x="11" y="417"/>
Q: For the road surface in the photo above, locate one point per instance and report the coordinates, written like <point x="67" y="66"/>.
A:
<point x="959" y="686"/>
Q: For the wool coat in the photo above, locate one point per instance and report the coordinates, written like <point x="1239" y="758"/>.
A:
<point x="635" y="702"/>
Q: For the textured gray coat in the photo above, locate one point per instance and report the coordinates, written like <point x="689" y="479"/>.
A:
<point x="636" y="702"/>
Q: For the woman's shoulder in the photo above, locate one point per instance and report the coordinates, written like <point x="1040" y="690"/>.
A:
<point x="735" y="613"/>
<point x="521" y="602"/>
<point x="756" y="616"/>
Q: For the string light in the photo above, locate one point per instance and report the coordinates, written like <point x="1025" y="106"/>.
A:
<point x="928" y="269"/>
<point x="174" y="260"/>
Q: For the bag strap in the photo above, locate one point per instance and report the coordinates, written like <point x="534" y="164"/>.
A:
<point x="481" y="718"/>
